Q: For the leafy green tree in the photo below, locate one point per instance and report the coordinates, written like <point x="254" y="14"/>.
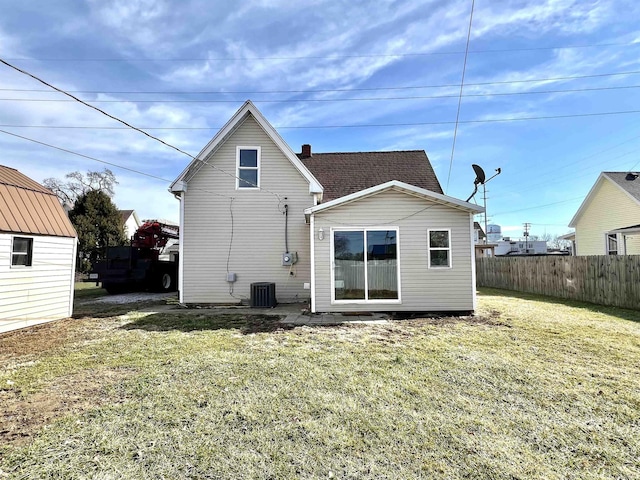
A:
<point x="98" y="225"/>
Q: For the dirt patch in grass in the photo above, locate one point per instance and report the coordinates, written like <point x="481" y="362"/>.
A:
<point x="23" y="417"/>
<point x="190" y="322"/>
<point x="17" y="346"/>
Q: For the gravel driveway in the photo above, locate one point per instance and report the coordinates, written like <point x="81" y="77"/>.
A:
<point x="133" y="297"/>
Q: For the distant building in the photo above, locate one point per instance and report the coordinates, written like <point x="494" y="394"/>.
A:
<point x="521" y="247"/>
<point x="478" y="233"/>
<point x="608" y="221"/>
<point x="130" y="222"/>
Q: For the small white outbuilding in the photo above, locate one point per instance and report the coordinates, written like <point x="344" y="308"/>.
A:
<point x="37" y="254"/>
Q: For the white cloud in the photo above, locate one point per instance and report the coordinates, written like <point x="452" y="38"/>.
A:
<point x="134" y="19"/>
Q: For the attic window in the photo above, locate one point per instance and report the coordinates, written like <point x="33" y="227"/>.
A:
<point x="248" y="163"/>
<point x="21" y="252"/>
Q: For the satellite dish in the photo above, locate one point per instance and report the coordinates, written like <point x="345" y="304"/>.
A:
<point x="480" y="176"/>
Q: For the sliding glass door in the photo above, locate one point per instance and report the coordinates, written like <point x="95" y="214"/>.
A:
<point x="365" y="265"/>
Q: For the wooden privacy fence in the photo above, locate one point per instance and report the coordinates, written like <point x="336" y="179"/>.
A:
<point x="605" y="279"/>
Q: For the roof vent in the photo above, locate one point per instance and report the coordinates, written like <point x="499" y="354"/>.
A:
<point x="631" y="176"/>
<point x="306" y="151"/>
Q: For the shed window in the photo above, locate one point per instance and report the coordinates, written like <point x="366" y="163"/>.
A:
<point x="612" y="244"/>
<point x="248" y="162"/>
<point x="21" y="252"/>
<point x="439" y="248"/>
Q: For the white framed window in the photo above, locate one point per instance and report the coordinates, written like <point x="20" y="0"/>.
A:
<point x="439" y="247"/>
<point x="611" y="244"/>
<point x="366" y="265"/>
<point x="248" y="168"/>
<point x="21" y="252"/>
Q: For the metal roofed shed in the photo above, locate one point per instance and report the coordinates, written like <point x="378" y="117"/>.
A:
<point x="37" y="251"/>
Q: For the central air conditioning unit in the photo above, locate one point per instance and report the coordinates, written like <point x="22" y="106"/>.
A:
<point x="263" y="295"/>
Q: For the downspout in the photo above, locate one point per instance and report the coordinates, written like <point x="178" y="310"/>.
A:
<point x="180" y="197"/>
<point x="73" y="275"/>
<point x="473" y="264"/>
<point x="312" y="230"/>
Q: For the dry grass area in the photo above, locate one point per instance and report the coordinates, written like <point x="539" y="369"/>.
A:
<point x="528" y="388"/>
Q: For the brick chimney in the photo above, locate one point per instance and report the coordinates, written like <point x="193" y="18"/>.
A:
<point x="306" y="151"/>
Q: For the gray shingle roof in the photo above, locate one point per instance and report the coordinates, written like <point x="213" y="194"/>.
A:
<point x="342" y="174"/>
<point x="630" y="182"/>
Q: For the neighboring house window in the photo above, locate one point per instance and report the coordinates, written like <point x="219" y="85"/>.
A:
<point x="248" y="162"/>
<point x="21" y="252"/>
<point x="439" y="248"/>
<point x="365" y="265"/>
<point x="612" y="244"/>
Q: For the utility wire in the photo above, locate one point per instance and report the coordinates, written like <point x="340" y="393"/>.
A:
<point x="131" y="126"/>
<point x="540" y="206"/>
<point x="330" y="90"/>
<point x="24" y="72"/>
<point x="363" y="125"/>
<point x="155" y="177"/>
<point x="464" y="69"/>
<point x="333" y="100"/>
<point x="327" y="57"/>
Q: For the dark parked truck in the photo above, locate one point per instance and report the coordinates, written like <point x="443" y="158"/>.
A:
<point x="144" y="265"/>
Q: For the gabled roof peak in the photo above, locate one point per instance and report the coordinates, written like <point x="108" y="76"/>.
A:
<point x="248" y="108"/>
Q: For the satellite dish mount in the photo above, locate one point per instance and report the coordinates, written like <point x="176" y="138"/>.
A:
<point x="481" y="179"/>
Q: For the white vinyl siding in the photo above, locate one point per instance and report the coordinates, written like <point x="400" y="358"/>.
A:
<point x="41" y="292"/>
<point x="609" y="209"/>
<point x="258" y="225"/>
<point x="423" y="289"/>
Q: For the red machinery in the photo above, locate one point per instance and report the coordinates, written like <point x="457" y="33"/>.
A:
<point x="154" y="234"/>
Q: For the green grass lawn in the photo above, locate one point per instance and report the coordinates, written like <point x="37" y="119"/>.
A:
<point x="88" y="290"/>
<point x="530" y="388"/>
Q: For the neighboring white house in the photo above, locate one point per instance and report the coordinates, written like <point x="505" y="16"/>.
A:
<point x="130" y="222"/>
<point x="608" y="221"/>
<point x="349" y="231"/>
<point x="37" y="254"/>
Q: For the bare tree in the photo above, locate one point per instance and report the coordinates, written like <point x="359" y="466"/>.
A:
<point x="77" y="184"/>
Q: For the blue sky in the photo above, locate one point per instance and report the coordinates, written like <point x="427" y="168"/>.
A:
<point x="372" y="68"/>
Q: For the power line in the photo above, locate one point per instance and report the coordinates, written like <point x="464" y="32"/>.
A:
<point x="540" y="206"/>
<point x="24" y="72"/>
<point x="335" y="90"/>
<point x="155" y="177"/>
<point x="132" y="127"/>
<point x="329" y="100"/>
<point x="364" y="125"/>
<point x="464" y="69"/>
<point x="598" y="168"/>
<point x="327" y="57"/>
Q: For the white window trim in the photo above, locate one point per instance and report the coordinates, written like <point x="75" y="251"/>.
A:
<point x="332" y="268"/>
<point x="238" y="167"/>
<point x="20" y="253"/>
<point x="429" y="249"/>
